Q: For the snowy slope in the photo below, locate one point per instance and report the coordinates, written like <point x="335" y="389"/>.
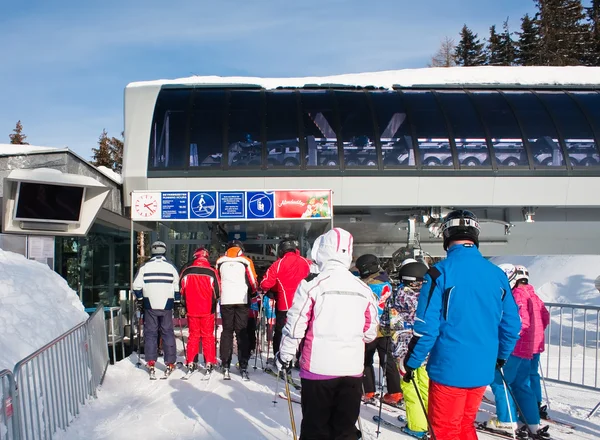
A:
<point x="36" y="306"/>
<point x="565" y="279"/>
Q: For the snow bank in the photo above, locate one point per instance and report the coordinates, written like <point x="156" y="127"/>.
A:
<point x="483" y="75"/>
<point x="11" y="149"/>
<point x="112" y="175"/>
<point x="36" y="306"/>
<point x="563" y="279"/>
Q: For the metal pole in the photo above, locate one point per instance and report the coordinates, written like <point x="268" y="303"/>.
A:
<point x="131" y="265"/>
<point x="331" y="207"/>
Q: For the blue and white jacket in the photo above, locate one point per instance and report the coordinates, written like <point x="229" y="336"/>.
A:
<point x="466" y="317"/>
<point x="157" y="282"/>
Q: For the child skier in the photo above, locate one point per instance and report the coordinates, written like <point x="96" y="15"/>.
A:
<point x="400" y="316"/>
<point x="517" y="368"/>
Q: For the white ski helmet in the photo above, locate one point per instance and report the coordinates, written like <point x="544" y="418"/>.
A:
<point x="522" y="274"/>
<point x="511" y="273"/>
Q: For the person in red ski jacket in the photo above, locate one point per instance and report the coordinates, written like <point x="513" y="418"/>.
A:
<point x="283" y="278"/>
<point x="200" y="290"/>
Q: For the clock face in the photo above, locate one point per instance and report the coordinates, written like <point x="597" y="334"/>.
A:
<point x="146" y="205"/>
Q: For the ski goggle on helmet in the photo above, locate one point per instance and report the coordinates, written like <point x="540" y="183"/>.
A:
<point x="522" y="274"/>
<point x="511" y="273"/>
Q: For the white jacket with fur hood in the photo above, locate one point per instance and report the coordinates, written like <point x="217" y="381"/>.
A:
<point x="333" y="315"/>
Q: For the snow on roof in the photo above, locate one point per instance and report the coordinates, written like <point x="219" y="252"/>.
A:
<point x="112" y="175"/>
<point x="483" y="75"/>
<point x="13" y="150"/>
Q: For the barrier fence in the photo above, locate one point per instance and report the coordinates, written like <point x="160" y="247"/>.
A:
<point x="47" y="389"/>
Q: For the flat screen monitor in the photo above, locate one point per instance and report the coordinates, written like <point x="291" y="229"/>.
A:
<point x="42" y="202"/>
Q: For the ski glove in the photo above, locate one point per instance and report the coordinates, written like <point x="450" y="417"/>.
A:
<point x="500" y="363"/>
<point x="281" y="364"/>
<point x="408" y="372"/>
<point x="139" y="305"/>
<point x="179" y="310"/>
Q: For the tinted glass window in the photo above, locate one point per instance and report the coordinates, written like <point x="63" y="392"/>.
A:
<point x="206" y="138"/>
<point x="394" y="130"/>
<point x="538" y="127"/>
<point x="319" y="128"/>
<point x="357" y="129"/>
<point x="590" y="101"/>
<point x="430" y="128"/>
<point x="168" y="133"/>
<point x="503" y="128"/>
<point x="244" y="134"/>
<point x="283" y="148"/>
<point x="468" y="132"/>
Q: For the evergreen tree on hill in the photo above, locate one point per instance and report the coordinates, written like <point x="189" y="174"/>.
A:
<point x="17" y="137"/>
<point x="116" y="151"/>
<point x="528" y="44"/>
<point x="593" y="47"/>
<point x="492" y="50"/>
<point x="103" y="154"/>
<point x="506" y="49"/>
<point x="469" y="51"/>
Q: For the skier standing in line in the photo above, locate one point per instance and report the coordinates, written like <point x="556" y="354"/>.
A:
<point x="399" y="317"/>
<point x="281" y="281"/>
<point x="517" y="368"/>
<point x="238" y="284"/>
<point x="468" y="320"/>
<point x="333" y="316"/>
<point x="156" y="285"/>
<point x="372" y="275"/>
<point x="541" y="321"/>
<point x="200" y="293"/>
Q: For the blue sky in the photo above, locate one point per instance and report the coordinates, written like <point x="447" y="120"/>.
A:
<point x="65" y="63"/>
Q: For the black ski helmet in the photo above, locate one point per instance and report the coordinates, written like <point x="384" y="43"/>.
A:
<point x="460" y="225"/>
<point x="412" y="270"/>
<point x="367" y="264"/>
<point x="286" y="245"/>
<point x="235" y="243"/>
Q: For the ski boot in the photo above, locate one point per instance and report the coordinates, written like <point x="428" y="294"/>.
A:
<point x="168" y="371"/>
<point x="151" y="370"/>
<point x="415" y="434"/>
<point x="392" y="399"/>
<point x="244" y="374"/>
<point x="543" y="411"/>
<point x="539" y="432"/>
<point x="191" y="367"/>
<point x="226" y="374"/>
<point x="208" y="368"/>
<point x="497" y="425"/>
<point x="368" y="397"/>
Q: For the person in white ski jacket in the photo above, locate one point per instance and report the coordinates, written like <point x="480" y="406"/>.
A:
<point x="331" y="318"/>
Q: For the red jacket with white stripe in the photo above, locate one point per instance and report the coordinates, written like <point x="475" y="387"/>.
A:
<point x="284" y="277"/>
<point x="200" y="288"/>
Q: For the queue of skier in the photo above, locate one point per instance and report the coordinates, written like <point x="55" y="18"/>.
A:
<point x="445" y="334"/>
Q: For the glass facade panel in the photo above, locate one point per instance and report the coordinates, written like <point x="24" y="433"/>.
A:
<point x="357" y="129"/>
<point x="244" y="133"/>
<point x="506" y="135"/>
<point x="590" y="101"/>
<point x="430" y="129"/>
<point x="168" y="147"/>
<point x="206" y="138"/>
<point x="468" y="132"/>
<point x="394" y="130"/>
<point x="283" y="148"/>
<point x="319" y="128"/>
<point x="538" y="127"/>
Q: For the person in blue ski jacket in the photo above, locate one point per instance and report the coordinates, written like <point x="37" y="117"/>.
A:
<point x="468" y="321"/>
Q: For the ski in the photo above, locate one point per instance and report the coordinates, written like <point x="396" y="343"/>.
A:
<point x="297" y="386"/>
<point x="167" y="373"/>
<point x="282" y="395"/>
<point x="374" y="403"/>
<point x="547" y="418"/>
<point x="402" y="428"/>
<point x="521" y="433"/>
<point x="189" y="372"/>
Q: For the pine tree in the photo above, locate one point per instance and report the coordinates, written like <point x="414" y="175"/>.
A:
<point x="563" y="32"/>
<point x="528" y="44"/>
<point x="469" y="51"/>
<point x="444" y="57"/>
<point x="492" y="50"/>
<point x="116" y="151"/>
<point x="18" y="138"/>
<point x="507" y="46"/>
<point x="103" y="155"/>
<point x="593" y="46"/>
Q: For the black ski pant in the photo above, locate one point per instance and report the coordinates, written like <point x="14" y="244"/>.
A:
<point x="235" y="319"/>
<point x="392" y="376"/>
<point x="156" y="321"/>
<point x="330" y="408"/>
<point x="280" y="319"/>
<point x="251" y="332"/>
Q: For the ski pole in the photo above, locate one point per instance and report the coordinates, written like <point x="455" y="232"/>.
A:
<point x="414" y="382"/>
<point x="510" y="418"/>
<point x="531" y="433"/>
<point x="360" y="427"/>
<point x="139" y="342"/>
<point x="276" y="390"/>
<point x="387" y="341"/>
<point x="257" y="335"/>
<point x="544" y="382"/>
<point x="182" y="338"/>
<point x="289" y="399"/>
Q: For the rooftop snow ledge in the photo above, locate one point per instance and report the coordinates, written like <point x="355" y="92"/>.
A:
<point x="437" y="76"/>
<point x="112" y="175"/>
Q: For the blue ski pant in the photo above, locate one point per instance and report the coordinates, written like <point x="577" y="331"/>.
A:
<point x="534" y="378"/>
<point x="516" y="372"/>
<point x="155" y="321"/>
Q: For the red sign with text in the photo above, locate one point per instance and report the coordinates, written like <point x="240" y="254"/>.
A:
<point x="309" y="204"/>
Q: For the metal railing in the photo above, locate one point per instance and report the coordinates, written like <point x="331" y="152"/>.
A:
<point x="7" y="424"/>
<point x="51" y="384"/>
<point x="115" y="330"/>
<point x="572" y="345"/>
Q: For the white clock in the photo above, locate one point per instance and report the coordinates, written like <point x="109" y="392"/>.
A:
<point x="146" y="205"/>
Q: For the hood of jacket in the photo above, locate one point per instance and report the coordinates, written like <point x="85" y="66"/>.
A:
<point x="335" y="246"/>
<point x="201" y="262"/>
